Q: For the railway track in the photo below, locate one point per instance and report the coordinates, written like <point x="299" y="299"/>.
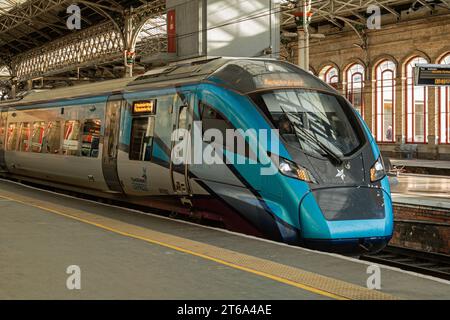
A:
<point x="432" y="264"/>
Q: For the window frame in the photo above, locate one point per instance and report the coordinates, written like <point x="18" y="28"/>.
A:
<point x="324" y="75"/>
<point x="379" y="96"/>
<point x="350" y="92"/>
<point x="410" y="85"/>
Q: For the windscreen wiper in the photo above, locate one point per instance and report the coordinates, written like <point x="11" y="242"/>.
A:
<point x="309" y="135"/>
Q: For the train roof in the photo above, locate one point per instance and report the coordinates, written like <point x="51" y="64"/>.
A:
<point x="93" y="88"/>
<point x="244" y="75"/>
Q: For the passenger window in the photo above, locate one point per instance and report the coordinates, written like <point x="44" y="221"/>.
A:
<point x="24" y="141"/>
<point x="37" y="137"/>
<point x="91" y="138"/>
<point x="2" y="130"/>
<point x="142" y="138"/>
<point x="13" y="134"/>
<point x="52" y="138"/>
<point x="71" y="144"/>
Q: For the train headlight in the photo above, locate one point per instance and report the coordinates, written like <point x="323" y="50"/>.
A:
<point x="291" y="169"/>
<point x="377" y="171"/>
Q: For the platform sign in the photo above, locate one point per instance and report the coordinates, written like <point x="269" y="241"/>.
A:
<point x="432" y="75"/>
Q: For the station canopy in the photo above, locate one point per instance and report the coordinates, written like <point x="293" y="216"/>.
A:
<point x="28" y="24"/>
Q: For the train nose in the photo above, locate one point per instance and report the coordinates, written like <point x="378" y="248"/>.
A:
<point x="347" y="217"/>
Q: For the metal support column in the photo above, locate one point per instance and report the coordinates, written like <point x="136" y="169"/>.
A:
<point x="129" y="52"/>
<point x="303" y="33"/>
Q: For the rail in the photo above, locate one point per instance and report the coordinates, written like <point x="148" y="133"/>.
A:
<point x="427" y="263"/>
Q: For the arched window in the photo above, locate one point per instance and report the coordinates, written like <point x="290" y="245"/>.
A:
<point x="444" y="109"/>
<point x="355" y="85"/>
<point x="330" y="75"/>
<point x="385" y="101"/>
<point x="416" y="105"/>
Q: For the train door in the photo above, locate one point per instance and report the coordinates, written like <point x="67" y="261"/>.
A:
<point x="180" y="150"/>
<point x="111" y="143"/>
<point x="3" y="120"/>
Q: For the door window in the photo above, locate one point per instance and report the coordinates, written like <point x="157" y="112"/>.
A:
<point x="141" y="146"/>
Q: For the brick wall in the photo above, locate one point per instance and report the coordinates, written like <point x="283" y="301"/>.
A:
<point x="422" y="228"/>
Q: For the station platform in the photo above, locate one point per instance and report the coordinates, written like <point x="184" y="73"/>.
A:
<point x="126" y="254"/>
<point x="422" y="190"/>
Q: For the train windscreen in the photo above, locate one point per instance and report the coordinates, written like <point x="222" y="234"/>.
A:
<point x="316" y="122"/>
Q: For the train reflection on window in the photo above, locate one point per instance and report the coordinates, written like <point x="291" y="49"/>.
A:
<point x="91" y="138"/>
<point x="42" y="137"/>
<point x="71" y="143"/>
<point x="52" y="138"/>
<point x="24" y="141"/>
<point x="37" y="136"/>
<point x="142" y="138"/>
<point x="13" y="135"/>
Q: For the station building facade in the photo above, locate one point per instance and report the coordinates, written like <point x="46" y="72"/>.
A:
<point x="375" y="71"/>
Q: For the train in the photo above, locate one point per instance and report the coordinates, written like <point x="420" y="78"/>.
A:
<point x="187" y="138"/>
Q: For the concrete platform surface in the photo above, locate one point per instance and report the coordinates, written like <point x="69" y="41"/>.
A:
<point x="422" y="190"/>
<point x="125" y="254"/>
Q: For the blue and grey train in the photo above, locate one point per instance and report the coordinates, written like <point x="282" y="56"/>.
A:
<point x="115" y="139"/>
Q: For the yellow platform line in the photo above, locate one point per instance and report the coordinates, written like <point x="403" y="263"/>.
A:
<point x="302" y="279"/>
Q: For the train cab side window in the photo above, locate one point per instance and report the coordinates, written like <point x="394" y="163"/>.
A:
<point x="24" y="140"/>
<point x="91" y="138"/>
<point x="13" y="136"/>
<point x="141" y="146"/>
<point x="52" y="138"/>
<point x="71" y="143"/>
<point x="37" y="137"/>
<point x="211" y="119"/>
